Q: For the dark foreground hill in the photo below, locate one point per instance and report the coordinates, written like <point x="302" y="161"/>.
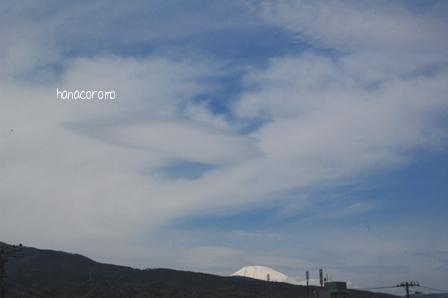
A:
<point x="32" y="272"/>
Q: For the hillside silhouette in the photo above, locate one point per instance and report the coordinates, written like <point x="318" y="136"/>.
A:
<point x="32" y="272"/>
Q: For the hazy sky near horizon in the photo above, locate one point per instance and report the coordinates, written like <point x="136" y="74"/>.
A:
<point x="290" y="134"/>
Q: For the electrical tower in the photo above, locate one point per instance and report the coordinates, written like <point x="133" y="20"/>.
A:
<point x="407" y="285"/>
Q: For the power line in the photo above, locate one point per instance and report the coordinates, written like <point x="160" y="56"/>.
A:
<point x="379" y="288"/>
<point x="407" y="285"/>
<point x="434" y="289"/>
<point x="404" y="284"/>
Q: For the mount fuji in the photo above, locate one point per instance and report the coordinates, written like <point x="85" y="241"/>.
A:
<point x="262" y="273"/>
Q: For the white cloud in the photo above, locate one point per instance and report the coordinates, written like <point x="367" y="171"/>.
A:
<point x="360" y="25"/>
<point x="176" y="139"/>
<point x="79" y="187"/>
<point x="322" y="124"/>
<point x="334" y="116"/>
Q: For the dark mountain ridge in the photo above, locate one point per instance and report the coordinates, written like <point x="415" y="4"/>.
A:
<point x="32" y="272"/>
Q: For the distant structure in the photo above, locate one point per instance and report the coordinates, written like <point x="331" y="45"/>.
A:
<point x="336" y="285"/>
<point x="336" y="289"/>
<point x="328" y="289"/>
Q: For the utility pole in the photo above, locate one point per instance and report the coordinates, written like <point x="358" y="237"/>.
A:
<point x="2" y="274"/>
<point x="321" y="278"/>
<point x="2" y="277"/>
<point x="307" y="284"/>
<point x="407" y="285"/>
<point x="4" y="252"/>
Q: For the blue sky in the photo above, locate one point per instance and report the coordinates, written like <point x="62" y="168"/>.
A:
<point x="294" y="134"/>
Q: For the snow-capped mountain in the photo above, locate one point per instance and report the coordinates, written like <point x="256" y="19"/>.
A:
<point x="261" y="272"/>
